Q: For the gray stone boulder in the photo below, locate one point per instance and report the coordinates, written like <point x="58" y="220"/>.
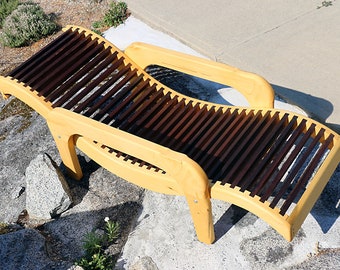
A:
<point x="144" y="263"/>
<point x="47" y="192"/>
<point x="26" y="249"/>
<point x="17" y="150"/>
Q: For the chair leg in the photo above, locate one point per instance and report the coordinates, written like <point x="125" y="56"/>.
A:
<point x="67" y="153"/>
<point x="201" y="213"/>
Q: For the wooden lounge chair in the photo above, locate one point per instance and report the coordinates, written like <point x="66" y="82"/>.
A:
<point x="273" y="163"/>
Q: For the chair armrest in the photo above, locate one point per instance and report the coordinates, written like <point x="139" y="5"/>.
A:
<point x="256" y="89"/>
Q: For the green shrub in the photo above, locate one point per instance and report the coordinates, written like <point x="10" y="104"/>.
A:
<point x="3" y="228"/>
<point x="92" y="243"/>
<point x="6" y="7"/>
<point x="112" y="230"/>
<point x="97" y="261"/>
<point x="94" y="246"/>
<point x="116" y="15"/>
<point x="26" y="24"/>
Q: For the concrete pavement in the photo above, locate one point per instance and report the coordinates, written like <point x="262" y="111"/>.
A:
<point x="294" y="44"/>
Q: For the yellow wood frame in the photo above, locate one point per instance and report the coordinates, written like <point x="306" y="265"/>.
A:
<point x="183" y="175"/>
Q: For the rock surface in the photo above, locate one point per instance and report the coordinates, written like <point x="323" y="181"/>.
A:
<point x="17" y="150"/>
<point x="48" y="194"/>
<point x="25" y="249"/>
<point x="144" y="263"/>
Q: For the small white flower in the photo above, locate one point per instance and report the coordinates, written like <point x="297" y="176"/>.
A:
<point x="106" y="219"/>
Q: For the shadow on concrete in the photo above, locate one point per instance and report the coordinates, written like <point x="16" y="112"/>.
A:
<point x="317" y="108"/>
<point x="230" y="217"/>
<point x="327" y="209"/>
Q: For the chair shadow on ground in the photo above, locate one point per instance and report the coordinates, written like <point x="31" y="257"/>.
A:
<point x="316" y="107"/>
<point x="232" y="216"/>
<point x="70" y="230"/>
<point x="79" y="188"/>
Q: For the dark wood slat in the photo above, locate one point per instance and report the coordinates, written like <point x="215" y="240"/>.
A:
<point x="53" y="60"/>
<point x="131" y="115"/>
<point x="297" y="166"/>
<point x="194" y="126"/>
<point x="135" y="87"/>
<point x="201" y="138"/>
<point x="233" y="128"/>
<point x="201" y="117"/>
<point x="202" y="130"/>
<point x="194" y="138"/>
<point x="156" y="133"/>
<point x="164" y="105"/>
<point x="181" y="125"/>
<point x="199" y="152"/>
<point x="308" y="172"/>
<point x="156" y="103"/>
<point x="152" y="124"/>
<point x="119" y="81"/>
<point x="176" y="116"/>
<point x="235" y="156"/>
<point x="103" y="77"/>
<point x="69" y="95"/>
<point x="255" y="165"/>
<point x="188" y="120"/>
<point x="142" y="106"/>
<point x="42" y="54"/>
<point x="67" y="67"/>
<point x="104" y="69"/>
<point x="79" y="74"/>
<point x="259" y="149"/>
<point x="70" y="69"/>
<point x="274" y="163"/>
<point x="166" y="115"/>
<point x="198" y="140"/>
<point x="287" y="163"/>
<point x="166" y="123"/>
<point x="233" y="147"/>
<point x="50" y="64"/>
<point x="228" y="138"/>
<point x="261" y="138"/>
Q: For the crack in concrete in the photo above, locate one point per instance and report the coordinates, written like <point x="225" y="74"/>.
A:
<point x="272" y="29"/>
